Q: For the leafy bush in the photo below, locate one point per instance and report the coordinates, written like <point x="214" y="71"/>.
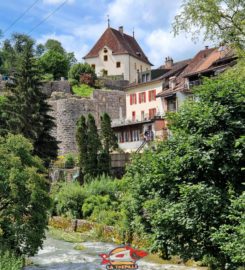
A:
<point x="68" y="199"/>
<point x="82" y="90"/>
<point x="104" y="185"/>
<point x="10" y="262"/>
<point x="230" y="236"/>
<point x="97" y="200"/>
<point x="70" y="161"/>
<point x="77" y="69"/>
<point x="95" y="203"/>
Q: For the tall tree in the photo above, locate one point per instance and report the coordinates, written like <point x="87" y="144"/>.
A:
<point x="82" y="142"/>
<point x="219" y="20"/>
<point x="109" y="143"/>
<point x="26" y="109"/>
<point x="94" y="146"/>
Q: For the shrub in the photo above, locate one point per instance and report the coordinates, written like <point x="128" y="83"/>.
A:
<point x="95" y="203"/>
<point x="10" y="262"/>
<point x="70" y="161"/>
<point x="68" y="200"/>
<point x="102" y="186"/>
<point x="82" y="90"/>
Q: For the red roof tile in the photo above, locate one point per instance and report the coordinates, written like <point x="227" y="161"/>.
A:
<point x="119" y="43"/>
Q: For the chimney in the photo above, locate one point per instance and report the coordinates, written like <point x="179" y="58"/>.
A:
<point x="120" y="29"/>
<point x="168" y="62"/>
<point x="206" y="47"/>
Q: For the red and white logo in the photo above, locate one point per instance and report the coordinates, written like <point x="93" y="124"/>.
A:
<point x="122" y="258"/>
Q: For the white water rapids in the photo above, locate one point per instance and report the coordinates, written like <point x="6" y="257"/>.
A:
<point x="60" y="255"/>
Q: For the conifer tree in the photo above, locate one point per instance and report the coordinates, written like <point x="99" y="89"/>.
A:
<point x="82" y="142"/>
<point x="26" y="109"/>
<point x="109" y="143"/>
<point x="94" y="146"/>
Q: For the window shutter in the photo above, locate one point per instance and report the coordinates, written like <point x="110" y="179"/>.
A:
<point x="135" y="96"/>
<point x="130" y="99"/>
<point x="155" y="91"/>
<point x="139" y="98"/>
<point x="149" y="95"/>
<point x="144" y="97"/>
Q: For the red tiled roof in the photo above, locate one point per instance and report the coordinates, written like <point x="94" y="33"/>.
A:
<point x="119" y="43"/>
<point x="197" y="61"/>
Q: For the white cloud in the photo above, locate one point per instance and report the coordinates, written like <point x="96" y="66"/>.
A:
<point x="54" y="2"/>
<point x="162" y="44"/>
<point x="89" y="31"/>
<point x="70" y="44"/>
<point x="139" y="13"/>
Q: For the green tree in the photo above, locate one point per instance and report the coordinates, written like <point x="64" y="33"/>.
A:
<point x="77" y="69"/>
<point x="82" y="142"/>
<point x="196" y="170"/>
<point x="109" y="143"/>
<point x="24" y="198"/>
<point x="11" y="49"/>
<point x="221" y="20"/>
<point x="54" y="63"/>
<point x="89" y="146"/>
<point x="93" y="147"/>
<point x="55" y="60"/>
<point x="26" y="109"/>
<point x="54" y="45"/>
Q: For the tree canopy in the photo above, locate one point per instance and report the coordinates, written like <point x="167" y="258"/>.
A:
<point x="54" y="59"/>
<point x="24" y="198"/>
<point x="218" y="20"/>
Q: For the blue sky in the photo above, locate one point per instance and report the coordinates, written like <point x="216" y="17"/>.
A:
<point x="79" y="23"/>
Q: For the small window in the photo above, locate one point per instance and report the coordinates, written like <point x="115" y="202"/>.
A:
<point x="93" y="66"/>
<point x="152" y="113"/>
<point x="171" y="104"/>
<point x="105" y="50"/>
<point x="105" y="72"/>
<point x="142" y="97"/>
<point x="133" y="99"/>
<point x="152" y="95"/>
<point x="105" y="57"/>
<point x="118" y="64"/>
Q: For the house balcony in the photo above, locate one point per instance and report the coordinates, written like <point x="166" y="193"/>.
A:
<point x="147" y="118"/>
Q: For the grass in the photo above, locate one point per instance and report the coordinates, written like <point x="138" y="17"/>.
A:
<point x="82" y="90"/>
<point x="72" y="237"/>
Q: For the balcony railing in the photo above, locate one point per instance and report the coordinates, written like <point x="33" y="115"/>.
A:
<point x="147" y="117"/>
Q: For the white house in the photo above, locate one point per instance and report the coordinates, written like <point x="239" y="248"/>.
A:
<point x="116" y="53"/>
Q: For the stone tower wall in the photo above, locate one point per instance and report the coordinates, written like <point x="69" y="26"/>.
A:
<point x="68" y="108"/>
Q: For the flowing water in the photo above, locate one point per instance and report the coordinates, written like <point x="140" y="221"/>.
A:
<point x="61" y="255"/>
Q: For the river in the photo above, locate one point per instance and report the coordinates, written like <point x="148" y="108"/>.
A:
<point x="61" y="255"/>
